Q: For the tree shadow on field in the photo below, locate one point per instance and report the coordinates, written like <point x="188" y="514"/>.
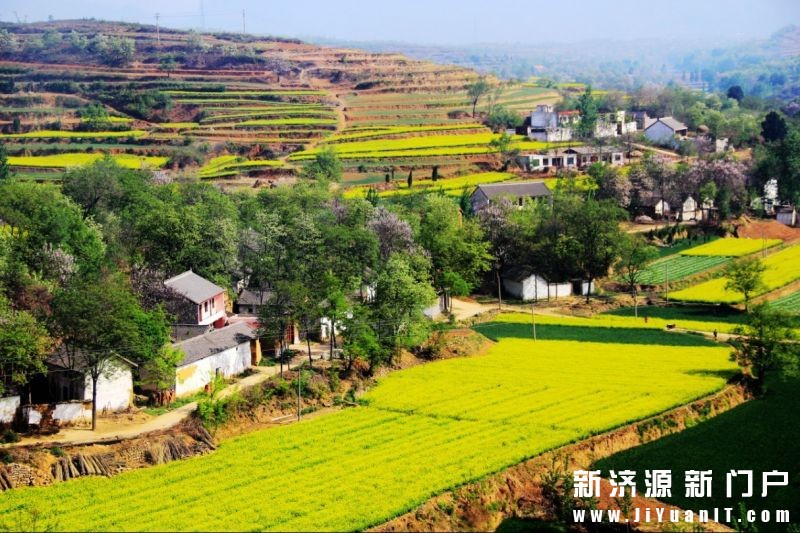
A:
<point x="722" y="374"/>
<point x="551" y="332"/>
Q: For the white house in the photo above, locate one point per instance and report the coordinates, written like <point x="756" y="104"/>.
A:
<point x="69" y="380"/>
<point x="8" y="409"/>
<point x="573" y="157"/>
<point x="207" y="298"/>
<point x="665" y="130"/>
<point x="690" y="209"/>
<point x="548" y="125"/>
<point x="526" y="286"/>
<point x="227" y="352"/>
<point x="517" y="192"/>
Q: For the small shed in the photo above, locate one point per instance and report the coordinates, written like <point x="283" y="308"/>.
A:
<point x="787" y="215"/>
<point x="485" y="194"/>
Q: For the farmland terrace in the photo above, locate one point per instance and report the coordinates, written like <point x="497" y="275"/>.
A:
<point x="180" y="101"/>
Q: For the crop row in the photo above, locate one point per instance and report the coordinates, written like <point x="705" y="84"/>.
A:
<point x="80" y="159"/>
<point x="675" y="267"/>
<point x="59" y="134"/>
<point x="783" y="267"/>
<point x="789" y="303"/>
<point x="450" y="184"/>
<point x="732" y="247"/>
<point x="425" y="430"/>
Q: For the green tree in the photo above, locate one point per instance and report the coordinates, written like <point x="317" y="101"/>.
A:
<point x="410" y="180"/>
<point x="504" y="145"/>
<point x="360" y="340"/>
<point x="402" y="292"/>
<point x="168" y="64"/>
<point x="24" y="344"/>
<point x="459" y="253"/>
<point x="735" y="92"/>
<point x="773" y="127"/>
<point x="5" y="169"/>
<point x="595" y="238"/>
<point x="765" y="343"/>
<point x="501" y="118"/>
<point x="98" y="319"/>
<point x="477" y="90"/>
<point x="634" y="255"/>
<point x="159" y="372"/>
<point x="325" y="167"/>
<point x="587" y="106"/>
<point x="746" y="277"/>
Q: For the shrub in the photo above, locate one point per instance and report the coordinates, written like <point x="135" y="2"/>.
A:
<point x="9" y="436"/>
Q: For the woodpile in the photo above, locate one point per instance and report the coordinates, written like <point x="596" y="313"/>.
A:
<point x="64" y="470"/>
<point x="168" y="450"/>
<point x="5" y="481"/>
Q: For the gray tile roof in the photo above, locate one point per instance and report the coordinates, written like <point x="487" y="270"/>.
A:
<point x="674" y="125"/>
<point x="252" y="297"/>
<point x="214" y="342"/>
<point x="195" y="288"/>
<point x="529" y="189"/>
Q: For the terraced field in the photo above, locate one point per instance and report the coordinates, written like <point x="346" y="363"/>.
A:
<point x="451" y="186"/>
<point x="676" y="267"/>
<point x="783" y="267"/>
<point x="423" y="430"/>
<point x="78" y="159"/>
<point x="789" y="303"/>
<point x="732" y="247"/>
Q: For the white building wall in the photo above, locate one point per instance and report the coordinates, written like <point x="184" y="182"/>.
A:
<point x="659" y="133"/>
<point x="535" y="287"/>
<point x="72" y="412"/>
<point x="114" y="387"/>
<point x="195" y="376"/>
<point x="8" y="409"/>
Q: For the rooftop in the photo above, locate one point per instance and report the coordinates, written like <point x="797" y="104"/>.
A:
<point x="535" y="189"/>
<point x="214" y="342"/>
<point x="195" y="288"/>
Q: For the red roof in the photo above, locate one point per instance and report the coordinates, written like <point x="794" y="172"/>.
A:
<point x="570" y="112"/>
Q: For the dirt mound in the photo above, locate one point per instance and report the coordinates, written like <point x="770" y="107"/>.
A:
<point x="767" y="229"/>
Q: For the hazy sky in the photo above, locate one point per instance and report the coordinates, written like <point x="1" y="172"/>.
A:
<point x="442" y="21"/>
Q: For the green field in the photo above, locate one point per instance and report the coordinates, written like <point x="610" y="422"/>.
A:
<point x="448" y="186"/>
<point x="783" y="267"/>
<point x="678" y="266"/>
<point x="231" y="165"/>
<point x="80" y="159"/>
<point x="761" y="435"/>
<point x="732" y="247"/>
<point x="789" y="303"/>
<point x="59" y="134"/>
<point x="423" y="431"/>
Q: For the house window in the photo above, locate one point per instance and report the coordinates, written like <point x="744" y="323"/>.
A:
<point x="617" y="157"/>
<point x="205" y="306"/>
<point x="570" y="160"/>
<point x="544" y="161"/>
<point x="213" y="304"/>
<point x="535" y="162"/>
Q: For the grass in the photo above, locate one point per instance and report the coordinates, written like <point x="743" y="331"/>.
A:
<point x="179" y="402"/>
<point x="783" y="267"/>
<point x="675" y="313"/>
<point x="245" y="94"/>
<point x="761" y="435"/>
<point x="371" y="133"/>
<point x="80" y="159"/>
<point x="732" y="247"/>
<point x="629" y="322"/>
<point x="423" y="430"/>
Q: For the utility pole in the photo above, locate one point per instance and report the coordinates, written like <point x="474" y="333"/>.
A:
<point x="158" y="31"/>
<point x="533" y="322"/>
<point x="299" y="415"/>
<point x="666" y="280"/>
<point x="244" y="22"/>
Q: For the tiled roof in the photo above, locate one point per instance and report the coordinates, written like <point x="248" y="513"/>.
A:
<point x="196" y="288"/>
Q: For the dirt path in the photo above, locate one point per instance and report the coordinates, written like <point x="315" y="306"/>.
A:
<point x="73" y="436"/>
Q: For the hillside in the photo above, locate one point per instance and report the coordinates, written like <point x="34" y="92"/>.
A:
<point x="230" y="106"/>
